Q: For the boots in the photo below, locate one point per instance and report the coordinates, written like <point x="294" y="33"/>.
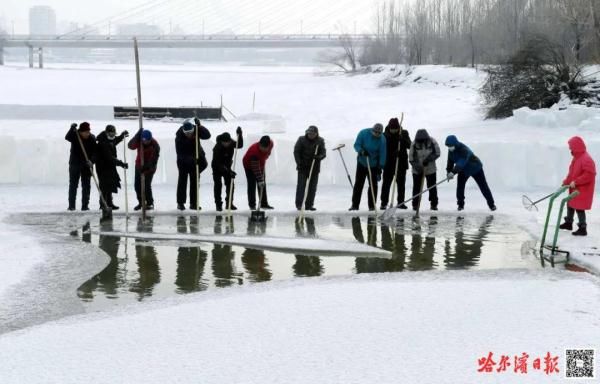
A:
<point x="581" y="230"/>
<point x="568" y="225"/>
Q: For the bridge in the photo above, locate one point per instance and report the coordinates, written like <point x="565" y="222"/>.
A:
<point x="36" y="44"/>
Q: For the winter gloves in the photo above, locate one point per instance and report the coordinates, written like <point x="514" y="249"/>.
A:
<point x="450" y="176"/>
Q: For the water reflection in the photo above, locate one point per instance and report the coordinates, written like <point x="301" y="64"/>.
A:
<point x="111" y="277"/>
<point x="393" y="241"/>
<point x="161" y="268"/>
<point x="367" y="264"/>
<point x="223" y="256"/>
<point x="148" y="270"/>
<point x="422" y="245"/>
<point x="467" y="247"/>
<point x="306" y="265"/>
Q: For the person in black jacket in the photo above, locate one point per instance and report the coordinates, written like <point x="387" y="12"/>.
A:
<point x="78" y="167"/>
<point x="398" y="143"/>
<point x="185" y="146"/>
<point x="107" y="162"/>
<point x="304" y="154"/>
<point x="221" y="166"/>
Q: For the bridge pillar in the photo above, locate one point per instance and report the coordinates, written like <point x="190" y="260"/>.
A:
<point x="30" y="57"/>
<point x="41" y="57"/>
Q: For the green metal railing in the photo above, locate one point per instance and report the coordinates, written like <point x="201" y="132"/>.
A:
<point x="554" y="248"/>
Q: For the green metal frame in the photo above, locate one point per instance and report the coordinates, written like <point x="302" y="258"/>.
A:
<point x="554" y="248"/>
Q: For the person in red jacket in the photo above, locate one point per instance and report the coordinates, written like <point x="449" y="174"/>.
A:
<point x="151" y="154"/>
<point x="254" y="166"/>
<point x="581" y="177"/>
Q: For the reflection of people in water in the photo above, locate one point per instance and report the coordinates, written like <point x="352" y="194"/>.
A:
<point x="367" y="264"/>
<point x="394" y="242"/>
<point x="190" y="268"/>
<point x="422" y="249"/>
<point x="467" y="248"/>
<point x="255" y="263"/>
<point x="181" y="224"/>
<point x="147" y="262"/>
<point x="109" y="279"/>
<point x="307" y="265"/>
<point x="256" y="228"/>
<point x="223" y="257"/>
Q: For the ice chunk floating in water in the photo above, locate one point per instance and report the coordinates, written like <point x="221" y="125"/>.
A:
<point x="317" y="247"/>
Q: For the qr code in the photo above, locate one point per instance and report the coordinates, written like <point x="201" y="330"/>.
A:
<point x="580" y="364"/>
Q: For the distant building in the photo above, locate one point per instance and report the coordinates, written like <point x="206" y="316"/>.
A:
<point x="139" y="29"/>
<point x="42" y="20"/>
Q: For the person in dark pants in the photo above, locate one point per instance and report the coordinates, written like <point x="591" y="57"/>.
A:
<point x="151" y="154"/>
<point x="107" y="162"/>
<point x="78" y="167"/>
<point x="371" y="148"/>
<point x="423" y="153"/>
<point x="254" y="165"/>
<point x="185" y="146"/>
<point x="462" y="162"/>
<point x="221" y="166"/>
<point x="304" y="154"/>
<point x="581" y="177"/>
<point x="398" y="145"/>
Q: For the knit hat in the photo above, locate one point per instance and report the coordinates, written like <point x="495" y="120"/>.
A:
<point x="378" y="128"/>
<point x="312" y="129"/>
<point x="187" y="126"/>
<point x="265" y="141"/>
<point x="146" y="135"/>
<point x="84" y="127"/>
<point x="225" y="136"/>
<point x="110" y="129"/>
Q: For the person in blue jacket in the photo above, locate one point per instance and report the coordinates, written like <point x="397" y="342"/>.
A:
<point x="462" y="162"/>
<point x="371" y="148"/>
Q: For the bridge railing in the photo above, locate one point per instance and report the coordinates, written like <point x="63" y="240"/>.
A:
<point x="223" y="37"/>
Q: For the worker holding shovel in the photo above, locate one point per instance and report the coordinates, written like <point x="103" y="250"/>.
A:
<point x="462" y="162"/>
<point x="222" y="167"/>
<point x="370" y="145"/>
<point x="423" y="153"/>
<point x="309" y="151"/>
<point x="254" y="165"/>
<point x="80" y="166"/>
<point x="398" y="143"/>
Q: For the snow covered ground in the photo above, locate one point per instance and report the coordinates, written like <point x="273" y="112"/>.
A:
<point x="389" y="328"/>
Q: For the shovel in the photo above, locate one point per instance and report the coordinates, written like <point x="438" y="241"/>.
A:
<point x="388" y="213"/>
<point x="258" y="216"/>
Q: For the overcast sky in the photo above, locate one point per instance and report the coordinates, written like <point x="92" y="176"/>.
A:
<point x="240" y="16"/>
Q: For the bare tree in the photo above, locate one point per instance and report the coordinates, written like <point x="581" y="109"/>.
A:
<point x="346" y="58"/>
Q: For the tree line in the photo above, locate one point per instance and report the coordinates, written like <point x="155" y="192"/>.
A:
<point x="470" y="32"/>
